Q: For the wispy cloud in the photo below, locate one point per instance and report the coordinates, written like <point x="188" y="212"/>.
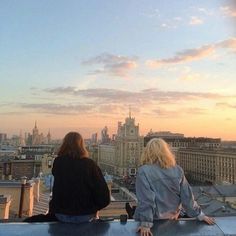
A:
<point x="207" y="12"/>
<point x="105" y="95"/>
<point x="195" y="21"/>
<point x="153" y="13"/>
<point x="226" y="105"/>
<point x="227" y="44"/>
<point x="188" y="75"/>
<point x="184" y="56"/>
<point x="168" y="113"/>
<point x="56" y="108"/>
<point x="194" y="54"/>
<point x="114" y="65"/>
<point x="229" y="10"/>
<point x="112" y="102"/>
<point x="171" y="23"/>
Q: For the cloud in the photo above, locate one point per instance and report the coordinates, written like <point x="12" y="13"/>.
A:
<point x="183" y="56"/>
<point x="57" y="109"/>
<point x="225" y="105"/>
<point x="100" y="102"/>
<point x="146" y="96"/>
<point x="208" y="12"/>
<point x="230" y="9"/>
<point x="5" y="104"/>
<point x="193" y="54"/>
<point x="195" y="20"/>
<point x="227" y="44"/>
<point x="114" y="65"/>
<point x="167" y="113"/>
<point x="188" y="75"/>
<point x="170" y="23"/>
<point x="153" y="13"/>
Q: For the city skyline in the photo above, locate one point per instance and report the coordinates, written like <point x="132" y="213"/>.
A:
<point x="110" y="131"/>
<point x="79" y="65"/>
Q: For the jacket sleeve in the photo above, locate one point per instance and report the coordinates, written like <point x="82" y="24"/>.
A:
<point x="101" y="193"/>
<point x="54" y="166"/>
<point x="189" y="204"/>
<point x="146" y="201"/>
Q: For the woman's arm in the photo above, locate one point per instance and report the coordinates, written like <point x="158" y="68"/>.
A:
<point x="187" y="199"/>
<point x="190" y="205"/>
<point x="146" y="201"/>
<point x="101" y="193"/>
<point x="53" y="167"/>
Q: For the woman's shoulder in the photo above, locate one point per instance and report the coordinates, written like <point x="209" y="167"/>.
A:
<point x="144" y="168"/>
<point x="179" y="168"/>
<point x="87" y="161"/>
<point x="147" y="167"/>
<point x="79" y="160"/>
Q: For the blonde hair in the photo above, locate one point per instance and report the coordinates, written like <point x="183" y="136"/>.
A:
<point x="158" y="152"/>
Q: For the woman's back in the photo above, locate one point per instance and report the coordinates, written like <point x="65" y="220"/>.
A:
<point x="79" y="187"/>
<point x="162" y="189"/>
<point x="165" y="185"/>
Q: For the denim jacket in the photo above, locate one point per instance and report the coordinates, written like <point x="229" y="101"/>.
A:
<point x="162" y="193"/>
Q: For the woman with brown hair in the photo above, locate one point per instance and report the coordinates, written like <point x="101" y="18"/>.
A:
<point x="79" y="189"/>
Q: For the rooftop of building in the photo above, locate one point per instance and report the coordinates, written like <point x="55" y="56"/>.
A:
<point x="180" y="137"/>
<point x="215" y="190"/>
<point x="223" y="226"/>
<point x="206" y="196"/>
<point x="219" y="150"/>
<point x="14" y="183"/>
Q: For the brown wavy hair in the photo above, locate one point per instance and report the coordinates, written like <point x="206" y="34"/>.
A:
<point x="73" y="146"/>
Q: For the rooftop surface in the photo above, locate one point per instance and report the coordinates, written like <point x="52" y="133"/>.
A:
<point x="223" y="226"/>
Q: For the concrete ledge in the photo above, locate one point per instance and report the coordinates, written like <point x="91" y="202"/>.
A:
<point x="223" y="226"/>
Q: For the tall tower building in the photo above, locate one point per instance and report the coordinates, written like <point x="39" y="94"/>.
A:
<point x="49" y="137"/>
<point x="21" y="139"/>
<point x="129" y="146"/>
<point x="105" y="136"/>
<point x="35" y="135"/>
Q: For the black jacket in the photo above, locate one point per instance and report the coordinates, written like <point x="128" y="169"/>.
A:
<point x="79" y="187"/>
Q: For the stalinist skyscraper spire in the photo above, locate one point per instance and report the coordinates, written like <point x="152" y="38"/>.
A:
<point x="129" y="111"/>
<point x="35" y="135"/>
<point x="49" y="137"/>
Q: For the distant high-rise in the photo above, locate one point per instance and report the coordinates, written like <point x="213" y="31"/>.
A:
<point x="94" y="138"/>
<point x="105" y="136"/>
<point x="21" y="139"/>
<point x="3" y="137"/>
<point x="35" y="135"/>
<point x="122" y="155"/>
<point x="38" y="138"/>
<point x="129" y="147"/>
<point x="49" y="137"/>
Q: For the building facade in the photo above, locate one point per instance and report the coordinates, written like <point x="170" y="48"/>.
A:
<point x="15" y="169"/>
<point x="129" y="147"/>
<point x="212" y="166"/>
<point x="121" y="155"/>
<point x="106" y="157"/>
<point x="176" y="140"/>
<point x="3" y="137"/>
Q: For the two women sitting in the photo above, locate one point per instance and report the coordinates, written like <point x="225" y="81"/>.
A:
<point x="80" y="190"/>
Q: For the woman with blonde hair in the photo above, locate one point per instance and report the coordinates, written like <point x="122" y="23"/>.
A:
<point x="162" y="189"/>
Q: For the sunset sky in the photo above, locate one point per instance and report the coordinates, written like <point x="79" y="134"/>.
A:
<point x="79" y="65"/>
